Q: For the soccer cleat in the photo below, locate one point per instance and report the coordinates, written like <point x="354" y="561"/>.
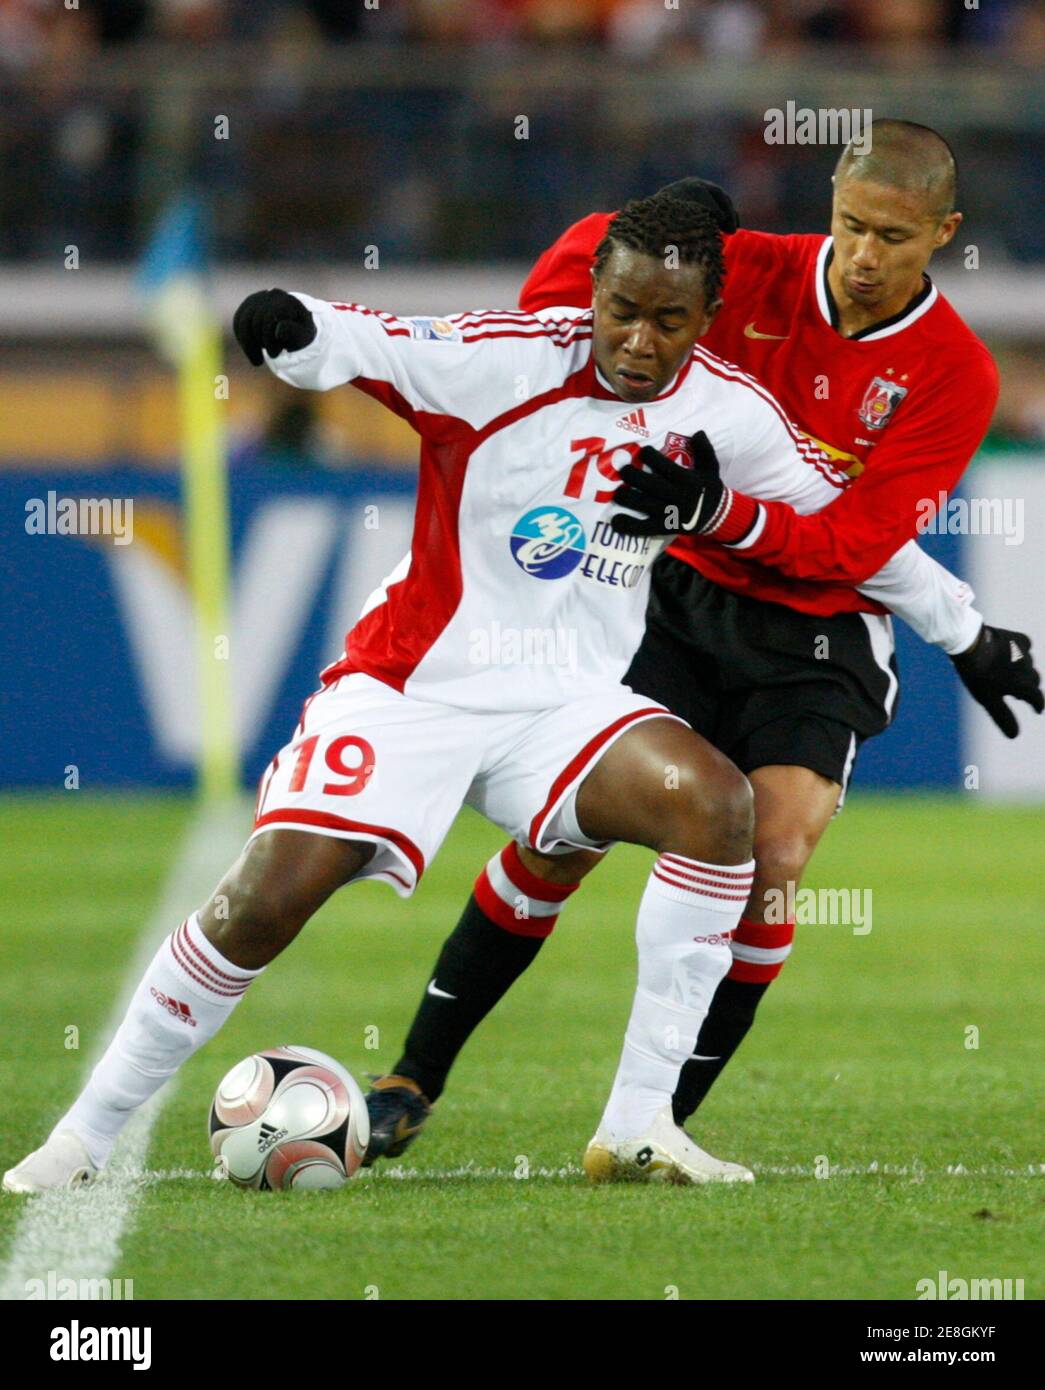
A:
<point x="665" y="1154"/>
<point x="61" y="1162"/>
<point x="398" y="1112"/>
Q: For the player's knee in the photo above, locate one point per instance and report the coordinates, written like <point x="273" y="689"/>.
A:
<point x="713" y="817"/>
<point x="258" y="913"/>
<point x="733" y="814"/>
<point x="248" y="924"/>
<point x="781" y="857"/>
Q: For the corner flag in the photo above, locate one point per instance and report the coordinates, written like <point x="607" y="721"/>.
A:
<point x="188" y="335"/>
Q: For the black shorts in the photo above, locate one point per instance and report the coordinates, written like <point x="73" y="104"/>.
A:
<point x="764" y="683"/>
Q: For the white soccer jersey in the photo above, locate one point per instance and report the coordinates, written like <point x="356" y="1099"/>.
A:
<point x="517" y="594"/>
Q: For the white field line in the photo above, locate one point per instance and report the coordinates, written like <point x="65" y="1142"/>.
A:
<point x="397" y="1172"/>
<point x="78" y="1234"/>
<point x="573" y="1170"/>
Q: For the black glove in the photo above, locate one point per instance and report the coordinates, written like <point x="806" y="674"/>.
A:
<point x="272" y="320"/>
<point x="708" y="195"/>
<point x="674" y="498"/>
<point x="1000" y="664"/>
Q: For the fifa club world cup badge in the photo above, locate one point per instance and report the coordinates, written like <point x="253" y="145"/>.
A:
<point x="676" y="448"/>
<point x="880" y="400"/>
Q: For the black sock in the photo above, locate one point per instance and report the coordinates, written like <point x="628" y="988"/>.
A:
<point x="731" y="1014"/>
<point x="478" y="964"/>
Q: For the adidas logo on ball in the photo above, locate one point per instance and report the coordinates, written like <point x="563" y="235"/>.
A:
<point x="269" y="1135"/>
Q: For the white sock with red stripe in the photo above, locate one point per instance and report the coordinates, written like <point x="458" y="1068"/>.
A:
<point x="759" y="951"/>
<point x="185" y="995"/>
<point x="686" y="918"/>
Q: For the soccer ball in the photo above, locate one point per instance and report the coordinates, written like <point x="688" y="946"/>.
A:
<point x="290" y="1117"/>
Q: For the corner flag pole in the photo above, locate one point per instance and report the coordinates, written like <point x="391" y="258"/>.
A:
<point x="189" y="336"/>
<point x="205" y="493"/>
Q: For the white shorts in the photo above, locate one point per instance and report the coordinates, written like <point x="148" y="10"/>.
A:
<point x="368" y="763"/>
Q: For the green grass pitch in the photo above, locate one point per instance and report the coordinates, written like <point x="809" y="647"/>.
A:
<point x="860" y="1061"/>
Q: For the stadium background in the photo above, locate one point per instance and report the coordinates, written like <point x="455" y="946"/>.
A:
<point x="391" y="134"/>
<point x="395" y="128"/>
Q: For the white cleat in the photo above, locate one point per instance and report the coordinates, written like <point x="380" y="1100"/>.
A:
<point x="61" y="1162"/>
<point x="665" y="1154"/>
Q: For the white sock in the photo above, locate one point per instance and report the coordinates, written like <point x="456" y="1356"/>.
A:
<point x="686" y="918"/>
<point x="184" y="997"/>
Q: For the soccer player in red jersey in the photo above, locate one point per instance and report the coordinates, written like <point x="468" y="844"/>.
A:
<point x="878" y="370"/>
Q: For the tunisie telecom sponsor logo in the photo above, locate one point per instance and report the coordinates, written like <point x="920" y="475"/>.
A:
<point x="550" y="543"/>
<point x="618" y="560"/>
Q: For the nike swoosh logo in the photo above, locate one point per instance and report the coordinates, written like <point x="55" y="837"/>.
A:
<point x="433" y="988"/>
<point x="404" y="1128"/>
<point x="752" y="332"/>
<point x="689" y="525"/>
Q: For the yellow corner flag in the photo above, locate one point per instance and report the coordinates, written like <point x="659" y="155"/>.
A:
<point x="189" y="336"/>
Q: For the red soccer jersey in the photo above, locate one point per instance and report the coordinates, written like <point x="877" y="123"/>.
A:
<point x="902" y="407"/>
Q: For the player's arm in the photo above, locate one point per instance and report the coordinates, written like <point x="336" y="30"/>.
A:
<point x="993" y="663"/>
<point x="892" y="500"/>
<point x="922" y="457"/>
<point x="935" y="603"/>
<point x="465" y="367"/>
<point x="743" y="491"/>
<point x="761" y="454"/>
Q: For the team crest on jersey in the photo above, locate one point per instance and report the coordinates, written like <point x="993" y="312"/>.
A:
<point x="548" y="542"/>
<point x="437" y="330"/>
<point x="880" y="400"/>
<point x="676" y="447"/>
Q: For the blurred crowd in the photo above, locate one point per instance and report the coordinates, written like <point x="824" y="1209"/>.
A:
<point x="104" y="109"/>
<point x="741" y="28"/>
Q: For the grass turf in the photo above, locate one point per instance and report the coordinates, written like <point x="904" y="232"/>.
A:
<point x="860" y="1058"/>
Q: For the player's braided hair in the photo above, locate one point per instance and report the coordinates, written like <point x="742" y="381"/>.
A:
<point x="657" y="225"/>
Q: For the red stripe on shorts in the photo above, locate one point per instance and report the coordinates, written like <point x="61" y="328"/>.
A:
<point x="326" y="821"/>
<point x="576" y="765"/>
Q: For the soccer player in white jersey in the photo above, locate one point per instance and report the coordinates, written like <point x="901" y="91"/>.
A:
<point x="524" y="423"/>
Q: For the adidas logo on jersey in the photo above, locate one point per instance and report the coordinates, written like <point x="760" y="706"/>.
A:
<point x="174" y="1007"/>
<point x="634" y="421"/>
